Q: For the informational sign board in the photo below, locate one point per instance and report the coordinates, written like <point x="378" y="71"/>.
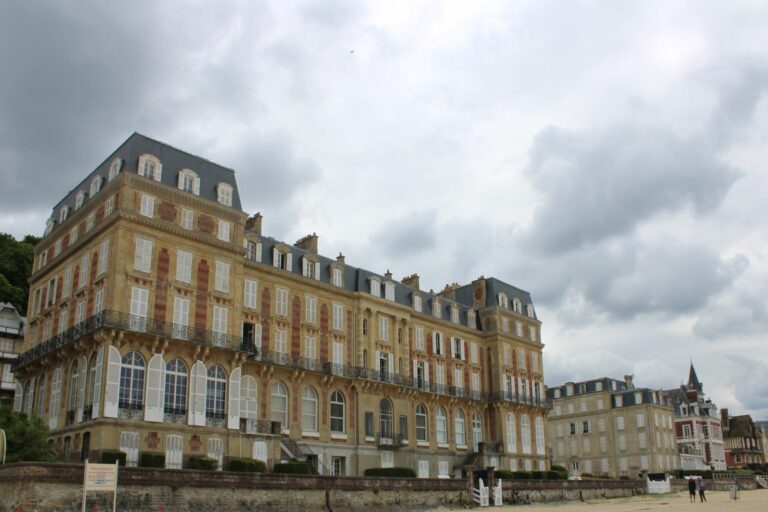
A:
<point x="100" y="477"/>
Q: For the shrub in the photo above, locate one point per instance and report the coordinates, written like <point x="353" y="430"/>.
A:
<point x="292" y="468"/>
<point x="555" y="475"/>
<point x="504" y="474"/>
<point x="247" y="465"/>
<point x="391" y="472"/>
<point x="561" y="470"/>
<point x="152" y="460"/>
<point x="537" y="475"/>
<point x="207" y="463"/>
<point x="110" y="456"/>
<point x="522" y="475"/>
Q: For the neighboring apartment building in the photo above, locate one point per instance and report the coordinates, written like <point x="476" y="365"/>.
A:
<point x="743" y="441"/>
<point x="607" y="427"/>
<point x="11" y="340"/>
<point x="762" y="429"/>
<point x="697" y="426"/>
<point x="162" y="319"/>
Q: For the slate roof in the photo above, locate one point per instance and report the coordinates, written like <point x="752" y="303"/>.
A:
<point x="172" y="159"/>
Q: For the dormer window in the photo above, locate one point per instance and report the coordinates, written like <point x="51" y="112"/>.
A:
<point x="224" y="194"/>
<point x="310" y="268"/>
<point x="48" y="226"/>
<point x="252" y="250"/>
<point x="150" y="167"/>
<point x="454" y="314"/>
<point x="114" y="168"/>
<point x="389" y="291"/>
<point x="471" y="320"/>
<point x="282" y="259"/>
<point x="375" y="287"/>
<point x="502" y="300"/>
<point x="95" y="185"/>
<point x="189" y="182"/>
<point x="436" y="308"/>
<point x="529" y="310"/>
<point x="79" y="198"/>
<point x="517" y="306"/>
<point x="336" y="277"/>
<point x="417" y="303"/>
<point x="63" y="214"/>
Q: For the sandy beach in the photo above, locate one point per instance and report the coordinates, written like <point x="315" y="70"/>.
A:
<point x="749" y="501"/>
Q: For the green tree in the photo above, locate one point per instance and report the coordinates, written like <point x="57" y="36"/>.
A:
<point x="27" y="438"/>
<point x="15" y="267"/>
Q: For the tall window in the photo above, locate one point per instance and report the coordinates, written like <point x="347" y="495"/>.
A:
<point x="309" y="410"/>
<point x="74" y="377"/>
<point x="142" y="258"/>
<point x="183" y="266"/>
<point x="458" y="426"/>
<point x="338" y="317"/>
<point x="384" y="328"/>
<point x="91" y="387"/>
<point x="175" y="389"/>
<point x="421" y="423"/>
<point x="180" y="328"/>
<point x="222" y="277"/>
<point x="131" y="396"/>
<point x="220" y="325"/>
<point x="511" y="433"/>
<point x="337" y="413"/>
<point x="187" y="218"/>
<point x="224" y="194"/>
<point x="282" y="302"/>
<point x="248" y="398"/>
<point x="147" y="206"/>
<point x="279" y="405"/>
<point x="525" y="433"/>
<point x="441" y="424"/>
<point x="250" y="289"/>
<point x="419" y="338"/>
<point x="224" y="230"/>
<point x="477" y="430"/>
<point x="311" y="309"/>
<point x="215" y="396"/>
<point x="385" y="418"/>
<point x="540" y="436"/>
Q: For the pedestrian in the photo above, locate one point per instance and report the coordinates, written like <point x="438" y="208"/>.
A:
<point x="692" y="489"/>
<point x="701" y="490"/>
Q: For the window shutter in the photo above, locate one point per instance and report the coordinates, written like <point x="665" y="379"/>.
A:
<point x="377" y="362"/>
<point x="97" y="384"/>
<point x="304" y="266"/>
<point x="504" y="385"/>
<point x="317" y="271"/>
<point x="159" y="172"/>
<point x="434" y="342"/>
<point x="53" y="418"/>
<point x="233" y="419"/>
<point x="289" y="262"/>
<point x="442" y="347"/>
<point x="426" y="374"/>
<point x="18" y="397"/>
<point x="179" y="179"/>
<point x="155" y="387"/>
<point x="197" y="400"/>
<point x="391" y="363"/>
<point x="260" y="450"/>
<point x="258" y="252"/>
<point x="415" y="371"/>
<point x="113" y="383"/>
<point x="30" y="398"/>
<point x="81" y="394"/>
<point x="463" y="345"/>
<point x="196" y="186"/>
<point x="275" y="261"/>
<point x="257" y="340"/>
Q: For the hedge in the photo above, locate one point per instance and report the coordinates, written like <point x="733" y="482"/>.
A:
<point x="152" y="460"/>
<point x="560" y="469"/>
<point x="504" y="474"/>
<point x="680" y="473"/>
<point x="522" y="475"/>
<point x="291" y="468"/>
<point x="110" y="456"/>
<point x="198" y="462"/>
<point x="247" y="465"/>
<point x="391" y="472"/>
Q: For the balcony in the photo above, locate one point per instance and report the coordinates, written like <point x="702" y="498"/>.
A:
<point x="214" y="419"/>
<point x="130" y="410"/>
<point x="176" y="415"/>
<point x="389" y="440"/>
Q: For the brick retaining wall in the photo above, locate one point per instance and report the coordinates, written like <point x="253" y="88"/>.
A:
<point x="58" y="487"/>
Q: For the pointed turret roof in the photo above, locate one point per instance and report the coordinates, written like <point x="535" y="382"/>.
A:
<point x="693" y="379"/>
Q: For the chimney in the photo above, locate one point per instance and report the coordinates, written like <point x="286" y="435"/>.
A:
<point x="308" y="243"/>
<point x="724" y="422"/>
<point x="340" y="259"/>
<point x="411" y="280"/>
<point x="253" y="223"/>
<point x="479" y="292"/>
<point x="628" y="382"/>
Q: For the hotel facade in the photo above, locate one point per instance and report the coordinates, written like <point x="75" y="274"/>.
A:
<point x="162" y="320"/>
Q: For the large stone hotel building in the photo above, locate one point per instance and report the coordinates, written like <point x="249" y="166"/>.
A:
<point x="162" y="320"/>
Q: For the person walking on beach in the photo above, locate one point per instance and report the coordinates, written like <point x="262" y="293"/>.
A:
<point x="692" y="489"/>
<point x="701" y="490"/>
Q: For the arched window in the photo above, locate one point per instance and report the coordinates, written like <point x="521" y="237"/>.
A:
<point x="365" y="327"/>
<point x="176" y="378"/>
<point x="88" y="410"/>
<point x="309" y="410"/>
<point x="131" y="384"/>
<point x="216" y="396"/>
<point x="503" y="301"/>
<point x="385" y="418"/>
<point x="41" y="396"/>
<point x="511" y="433"/>
<point x="74" y="378"/>
<point x="477" y="430"/>
<point x="114" y="168"/>
<point x="441" y="424"/>
<point x="224" y="194"/>
<point x="63" y="214"/>
<point x="189" y="181"/>
<point x="458" y="426"/>
<point x="517" y="305"/>
<point x="279" y="405"/>
<point x="539" y="436"/>
<point x="79" y="199"/>
<point x="421" y="423"/>
<point x="525" y="433"/>
<point x="150" y="167"/>
<point x="95" y="186"/>
<point x="249" y="394"/>
<point x="337" y="413"/>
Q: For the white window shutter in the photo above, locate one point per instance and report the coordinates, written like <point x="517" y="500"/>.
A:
<point x="258" y="252"/>
<point x="415" y="371"/>
<point x="426" y="374"/>
<point x="97" y="384"/>
<point x="53" y="418"/>
<point x="155" y="389"/>
<point x="317" y="271"/>
<point x="289" y="262"/>
<point x="159" y="172"/>
<point x="179" y="179"/>
<point x="233" y="418"/>
<point x="275" y="261"/>
<point x="463" y="345"/>
<point x="18" y="397"/>
<point x="442" y="347"/>
<point x="391" y="363"/>
<point x="257" y="340"/>
<point x="196" y="186"/>
<point x="304" y="266"/>
<point x="197" y="399"/>
<point x="504" y="384"/>
<point x="30" y="398"/>
<point x="434" y="342"/>
<point x="376" y="363"/>
<point x="113" y="383"/>
<point x="81" y="395"/>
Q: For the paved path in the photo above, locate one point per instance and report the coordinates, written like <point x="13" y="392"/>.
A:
<point x="749" y="501"/>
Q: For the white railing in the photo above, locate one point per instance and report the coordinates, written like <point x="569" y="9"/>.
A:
<point x="497" y="502"/>
<point x="761" y="481"/>
<point x="480" y="494"/>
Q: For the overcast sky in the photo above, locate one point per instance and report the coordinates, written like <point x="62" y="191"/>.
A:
<point x="608" y="157"/>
